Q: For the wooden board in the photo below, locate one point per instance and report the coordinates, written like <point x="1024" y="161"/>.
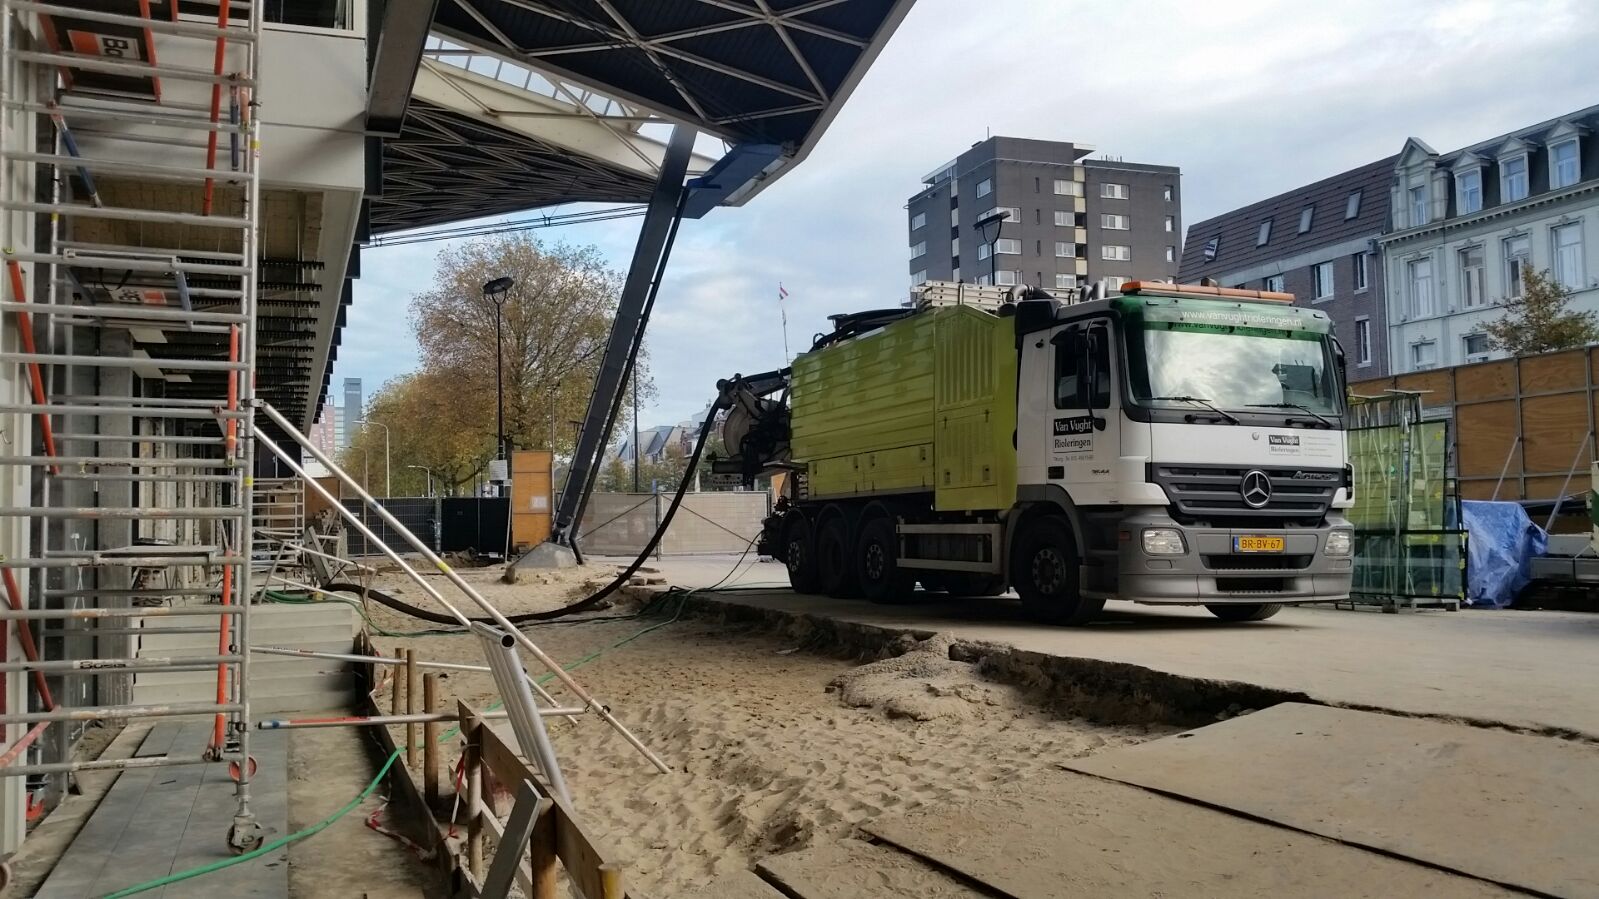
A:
<point x="853" y="869"/>
<point x="1485" y="381"/>
<point x="1485" y="434"/>
<point x="1552" y="428"/>
<point x="1514" y="809"/>
<point x="531" y="499"/>
<point x="1065" y="836"/>
<point x="1437" y="387"/>
<point x="1554" y="371"/>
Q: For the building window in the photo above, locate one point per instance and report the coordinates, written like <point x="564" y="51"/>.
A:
<point x="1012" y="213"/>
<point x="1008" y="246"/>
<point x="955" y="248"/>
<point x="1263" y="236"/>
<point x="1418" y="205"/>
<point x="983" y="251"/>
<point x="1111" y="222"/>
<point x="1004" y="277"/>
<point x="919" y="220"/>
<point x="1171" y="223"/>
<point x="1362" y="341"/>
<point x="1111" y="191"/>
<point x="1065" y="282"/>
<point x="1165" y="193"/>
<point x="1423" y="355"/>
<point x="1468" y="192"/>
<point x="919" y="249"/>
<point x="1322" y="277"/>
<point x="1115" y="282"/>
<point x="1565" y="169"/>
<point x="1038" y="216"/>
<point x="1274" y="283"/>
<point x="1352" y="205"/>
<point x="1518" y="255"/>
<point x="956" y="275"/>
<point x="954" y="217"/>
<point x="1472" y="281"/>
<point x="1063" y="218"/>
<point x="1567" y="241"/>
<point x="1513" y="178"/>
<point x="1419" y="277"/>
<point x="1305" y="217"/>
<point x="918" y="277"/>
<point x="1212" y="249"/>
<point x="1171" y="254"/>
<point x="1036" y="187"/>
<point x="1065" y="249"/>
<point x="1475" y="347"/>
<point x="985" y="187"/>
<point x="1359" y="263"/>
<point x="1116" y="253"/>
<point x="1068" y="188"/>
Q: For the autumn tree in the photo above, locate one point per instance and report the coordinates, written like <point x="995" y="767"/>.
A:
<point x="1539" y="321"/>
<point x="554" y="324"/>
<point x="429" y="429"/>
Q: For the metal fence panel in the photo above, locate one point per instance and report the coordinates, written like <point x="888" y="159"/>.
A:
<point x="473" y="523"/>
<point x="712" y="522"/>
<point x="419" y="514"/>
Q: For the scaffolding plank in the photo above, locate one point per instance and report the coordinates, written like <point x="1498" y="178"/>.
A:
<point x="1514" y="809"/>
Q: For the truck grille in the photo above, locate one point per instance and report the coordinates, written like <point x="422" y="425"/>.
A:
<point x="1256" y="562"/>
<point x="1213" y="492"/>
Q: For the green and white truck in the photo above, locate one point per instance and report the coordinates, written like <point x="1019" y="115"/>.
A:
<point x="1171" y="445"/>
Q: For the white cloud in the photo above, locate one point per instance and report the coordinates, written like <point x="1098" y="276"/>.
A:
<point x="1249" y="97"/>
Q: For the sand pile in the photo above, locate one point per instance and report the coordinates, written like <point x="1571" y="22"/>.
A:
<point x="924" y="684"/>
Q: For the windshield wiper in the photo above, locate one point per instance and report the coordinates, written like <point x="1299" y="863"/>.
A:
<point x="1300" y="406"/>
<point x="1201" y="401"/>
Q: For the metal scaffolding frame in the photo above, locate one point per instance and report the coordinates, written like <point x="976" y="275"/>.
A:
<point x="140" y="220"/>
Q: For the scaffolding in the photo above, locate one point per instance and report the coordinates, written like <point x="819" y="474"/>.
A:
<point x="130" y="193"/>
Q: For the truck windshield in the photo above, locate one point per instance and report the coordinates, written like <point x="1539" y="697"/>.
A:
<point x="1238" y="369"/>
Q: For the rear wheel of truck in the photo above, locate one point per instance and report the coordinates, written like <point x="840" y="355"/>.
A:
<point x="835" y="557"/>
<point x="881" y="578"/>
<point x="1044" y="572"/>
<point x="1259" y="611"/>
<point x="799" y="554"/>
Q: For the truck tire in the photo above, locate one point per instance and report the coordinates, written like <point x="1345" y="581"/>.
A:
<point x="880" y="577"/>
<point x="835" y="558"/>
<point x="1044" y="570"/>
<point x="1245" y="611"/>
<point x="799" y="555"/>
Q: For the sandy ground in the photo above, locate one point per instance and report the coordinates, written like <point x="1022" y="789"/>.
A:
<point x="771" y="748"/>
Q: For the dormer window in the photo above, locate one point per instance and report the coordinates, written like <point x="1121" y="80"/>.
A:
<point x="1418" y="205"/>
<point x="1468" y="192"/>
<point x="1513" y="178"/>
<point x="1565" y="167"/>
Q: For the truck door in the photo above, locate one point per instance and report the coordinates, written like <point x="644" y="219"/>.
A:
<point x="1068" y="429"/>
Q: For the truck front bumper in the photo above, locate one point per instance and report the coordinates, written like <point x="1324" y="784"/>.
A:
<point x="1212" y="572"/>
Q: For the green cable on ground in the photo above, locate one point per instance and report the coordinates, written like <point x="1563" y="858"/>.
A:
<point x="273" y="846"/>
<point x="327" y="822"/>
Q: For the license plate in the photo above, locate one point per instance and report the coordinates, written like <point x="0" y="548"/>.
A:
<point x="1257" y="544"/>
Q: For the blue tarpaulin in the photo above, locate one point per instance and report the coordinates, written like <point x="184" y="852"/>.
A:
<point x="1503" y="543"/>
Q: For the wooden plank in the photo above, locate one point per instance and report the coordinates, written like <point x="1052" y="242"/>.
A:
<point x="1554" y="371"/>
<point x="847" y="869"/>
<point x="1372" y="387"/>
<point x="1485" y="381"/>
<point x="736" y="885"/>
<point x="1552" y="428"/>
<point x="1548" y="487"/>
<point x="1487" y="434"/>
<point x="1513" y="809"/>
<point x="516" y="835"/>
<point x="1437" y="385"/>
<point x="1483" y="488"/>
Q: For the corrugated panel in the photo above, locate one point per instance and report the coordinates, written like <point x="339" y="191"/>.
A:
<point x="976" y="408"/>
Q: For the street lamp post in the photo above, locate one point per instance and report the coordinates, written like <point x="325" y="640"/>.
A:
<point x="388" y="485"/>
<point x="981" y="226"/>
<point x="429" y="472"/>
<point x="496" y="290"/>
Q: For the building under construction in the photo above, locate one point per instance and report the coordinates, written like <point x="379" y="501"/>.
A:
<point x="185" y="189"/>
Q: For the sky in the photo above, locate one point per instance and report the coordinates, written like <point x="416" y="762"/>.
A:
<point x="1249" y="97"/>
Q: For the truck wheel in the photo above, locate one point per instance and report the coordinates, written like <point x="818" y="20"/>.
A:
<point x="881" y="578"/>
<point x="835" y="559"/>
<point x="799" y="554"/>
<point x="1045" y="573"/>
<point x="1245" y="611"/>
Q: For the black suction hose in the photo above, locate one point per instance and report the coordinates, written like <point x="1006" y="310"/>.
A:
<point x="582" y="604"/>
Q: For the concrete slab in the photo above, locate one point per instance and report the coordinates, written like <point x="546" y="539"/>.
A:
<point x="848" y="869"/>
<point x="1068" y="836"/>
<point x="1521" y="669"/>
<point x="1518" y="810"/>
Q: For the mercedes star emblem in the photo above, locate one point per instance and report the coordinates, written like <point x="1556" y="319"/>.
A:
<point x="1255" y="487"/>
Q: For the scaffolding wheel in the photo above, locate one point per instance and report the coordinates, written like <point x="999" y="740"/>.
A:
<point x="233" y="769"/>
<point x="245" y="836"/>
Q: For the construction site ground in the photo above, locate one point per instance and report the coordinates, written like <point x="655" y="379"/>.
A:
<point x="841" y="749"/>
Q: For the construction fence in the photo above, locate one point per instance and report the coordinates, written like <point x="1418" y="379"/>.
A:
<point x="621" y="524"/>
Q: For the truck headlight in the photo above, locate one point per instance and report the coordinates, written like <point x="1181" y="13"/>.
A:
<point x="1340" y="542"/>
<point x="1164" y="542"/>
